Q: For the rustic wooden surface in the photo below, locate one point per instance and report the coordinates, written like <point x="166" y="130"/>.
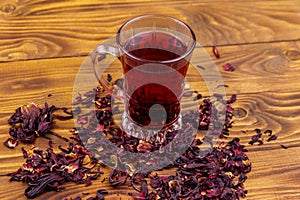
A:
<point x="43" y="43"/>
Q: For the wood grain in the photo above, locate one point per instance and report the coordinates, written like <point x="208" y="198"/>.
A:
<point x="41" y="29"/>
<point x="43" y="43"/>
<point x="270" y="173"/>
<point x="262" y="79"/>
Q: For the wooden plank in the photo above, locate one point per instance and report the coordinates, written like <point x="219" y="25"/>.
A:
<point x="263" y="110"/>
<point x="259" y="68"/>
<point x="265" y="101"/>
<point x="39" y="29"/>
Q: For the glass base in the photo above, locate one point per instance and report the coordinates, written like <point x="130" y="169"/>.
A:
<point x="157" y="136"/>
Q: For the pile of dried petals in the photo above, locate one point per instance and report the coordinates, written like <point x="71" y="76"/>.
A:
<point x="45" y="170"/>
<point x="220" y="174"/>
<point x="30" y="121"/>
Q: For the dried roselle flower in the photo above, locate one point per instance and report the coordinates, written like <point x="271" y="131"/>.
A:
<point x="45" y="170"/>
<point x="25" y="154"/>
<point x="11" y="143"/>
<point x="212" y="181"/>
<point x="28" y="167"/>
<point x="219" y="174"/>
<point x="109" y="77"/>
<point x="30" y="121"/>
<point x="63" y="118"/>
<point x="273" y="137"/>
<point x="216" y="52"/>
<point x="50" y="143"/>
<point x="283" y="146"/>
<point x="152" y="196"/>
<point x="255" y="138"/>
<point x="40" y="184"/>
<point x="156" y="182"/>
<point x="101" y="57"/>
<point x="242" y="178"/>
<point x="223" y="85"/>
<point x="228" y="67"/>
<point x="199" y="96"/>
<point x="144" y="189"/>
<point x="232" y="99"/>
<point x="102" y="192"/>
<point x="88" y="182"/>
<point x="200" y="67"/>
<point x="118" y="177"/>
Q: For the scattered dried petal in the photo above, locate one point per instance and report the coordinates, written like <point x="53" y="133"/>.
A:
<point x="11" y="143"/>
<point x="229" y="67"/>
<point x="223" y="85"/>
<point x="211" y="176"/>
<point x="45" y="170"/>
<point x="101" y="57"/>
<point x="199" y="96"/>
<point x="273" y="137"/>
<point x="200" y="67"/>
<point x="30" y="121"/>
<point x="216" y="52"/>
<point x="25" y="154"/>
<point x="109" y="77"/>
<point x="232" y="99"/>
<point x="283" y="146"/>
<point x="255" y="138"/>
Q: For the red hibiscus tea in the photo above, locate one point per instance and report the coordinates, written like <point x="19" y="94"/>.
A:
<point x="154" y="72"/>
<point x="155" y="51"/>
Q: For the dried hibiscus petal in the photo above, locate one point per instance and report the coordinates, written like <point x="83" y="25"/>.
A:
<point x="228" y="67"/>
<point x="102" y="192"/>
<point x="11" y="143"/>
<point x="255" y="138"/>
<point x="45" y="170"/>
<point x="283" y="146"/>
<point x="232" y="99"/>
<point x="273" y="137"/>
<point x="118" y="177"/>
<point x="109" y="77"/>
<point x="30" y="121"/>
<point x="25" y="154"/>
<point x="216" y="52"/>
<point x="219" y="174"/>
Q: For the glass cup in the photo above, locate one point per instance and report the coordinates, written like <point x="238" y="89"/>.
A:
<point x="155" y="51"/>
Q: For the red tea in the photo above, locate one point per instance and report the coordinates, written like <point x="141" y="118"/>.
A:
<point x="154" y="78"/>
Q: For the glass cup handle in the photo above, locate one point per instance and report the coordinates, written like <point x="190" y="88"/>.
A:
<point x="97" y="56"/>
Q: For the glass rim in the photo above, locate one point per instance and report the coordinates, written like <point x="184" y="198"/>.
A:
<point x="187" y="52"/>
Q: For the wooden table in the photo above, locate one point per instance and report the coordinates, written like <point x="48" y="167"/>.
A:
<point x="43" y="44"/>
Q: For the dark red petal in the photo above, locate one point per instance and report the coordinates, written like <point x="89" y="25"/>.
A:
<point x="229" y="67"/>
<point x="11" y="143"/>
<point x="216" y="52"/>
